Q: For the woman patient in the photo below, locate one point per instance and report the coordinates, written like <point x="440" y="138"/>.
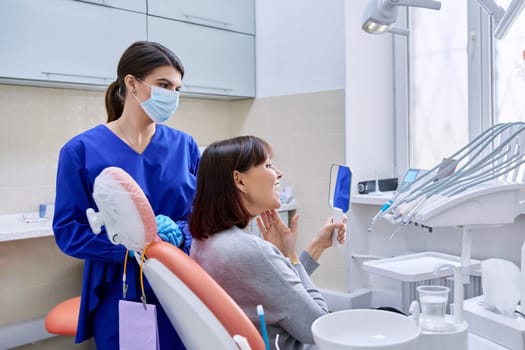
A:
<point x="236" y="182"/>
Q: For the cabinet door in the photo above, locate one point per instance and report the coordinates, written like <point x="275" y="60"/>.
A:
<point x="235" y="15"/>
<point x="216" y="62"/>
<point x="133" y="5"/>
<point x="65" y="41"/>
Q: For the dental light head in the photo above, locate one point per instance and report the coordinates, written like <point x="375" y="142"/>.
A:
<point x="381" y="15"/>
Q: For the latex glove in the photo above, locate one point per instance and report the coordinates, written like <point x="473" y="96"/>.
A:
<point x="169" y="231"/>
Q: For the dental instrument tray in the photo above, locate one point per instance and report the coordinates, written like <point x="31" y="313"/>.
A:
<point x="416" y="267"/>
<point x="483" y="183"/>
<point x="491" y="203"/>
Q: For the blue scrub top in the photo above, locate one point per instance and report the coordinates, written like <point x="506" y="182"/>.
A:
<point x="166" y="171"/>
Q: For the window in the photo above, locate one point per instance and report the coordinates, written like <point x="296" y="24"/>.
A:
<point x="438" y="83"/>
<point x="453" y="80"/>
<point x="509" y="72"/>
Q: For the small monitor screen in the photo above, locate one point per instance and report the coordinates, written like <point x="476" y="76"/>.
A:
<point x="410" y="175"/>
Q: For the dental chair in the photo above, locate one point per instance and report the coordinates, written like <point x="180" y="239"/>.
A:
<point x="203" y="314"/>
<point x="63" y="318"/>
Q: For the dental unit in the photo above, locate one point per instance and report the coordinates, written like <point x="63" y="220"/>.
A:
<point x="484" y="187"/>
<point x="491" y="163"/>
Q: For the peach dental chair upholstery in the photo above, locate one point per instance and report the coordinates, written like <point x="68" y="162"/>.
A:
<point x="186" y="292"/>
<point x="63" y="318"/>
<point x="203" y="314"/>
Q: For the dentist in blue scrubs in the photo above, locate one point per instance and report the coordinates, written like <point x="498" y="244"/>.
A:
<point x="162" y="160"/>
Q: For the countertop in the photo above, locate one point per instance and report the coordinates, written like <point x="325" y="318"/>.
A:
<point x="23" y="226"/>
<point x="30" y="225"/>
<point x="292" y="205"/>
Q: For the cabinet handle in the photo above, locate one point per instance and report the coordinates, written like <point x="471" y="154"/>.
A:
<point x="190" y="86"/>
<point x="48" y="74"/>
<point x="205" y="19"/>
<point x="98" y="2"/>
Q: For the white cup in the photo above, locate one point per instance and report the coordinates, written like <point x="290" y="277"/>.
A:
<point x="433" y="301"/>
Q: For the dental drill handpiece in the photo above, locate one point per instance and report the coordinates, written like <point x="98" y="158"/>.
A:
<point x="379" y="214"/>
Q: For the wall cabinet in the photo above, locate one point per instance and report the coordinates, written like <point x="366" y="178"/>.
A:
<point x="235" y="15"/>
<point x="79" y="43"/>
<point x="64" y="41"/>
<point x="132" y="5"/>
<point x="216" y="62"/>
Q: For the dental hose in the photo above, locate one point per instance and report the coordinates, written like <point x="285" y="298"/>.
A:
<point x="379" y="214"/>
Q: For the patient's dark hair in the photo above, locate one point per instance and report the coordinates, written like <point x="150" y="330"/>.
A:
<point x="218" y="205"/>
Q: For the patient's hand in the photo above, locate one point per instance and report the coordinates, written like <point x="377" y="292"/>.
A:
<point x="275" y="231"/>
<point x="323" y="239"/>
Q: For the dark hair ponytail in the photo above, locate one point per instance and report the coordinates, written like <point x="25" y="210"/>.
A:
<point x="139" y="60"/>
<point x="114" y="101"/>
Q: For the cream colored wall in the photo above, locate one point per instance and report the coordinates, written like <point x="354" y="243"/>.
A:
<point x="307" y="134"/>
<point x="306" y="131"/>
<point x="34" y="123"/>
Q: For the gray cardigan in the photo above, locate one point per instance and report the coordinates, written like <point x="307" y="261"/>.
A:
<point x="253" y="271"/>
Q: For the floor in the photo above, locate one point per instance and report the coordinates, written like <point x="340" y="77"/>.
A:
<point x="57" y="343"/>
<point x="67" y="343"/>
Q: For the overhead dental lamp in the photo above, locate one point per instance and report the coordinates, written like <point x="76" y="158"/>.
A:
<point x="381" y="15"/>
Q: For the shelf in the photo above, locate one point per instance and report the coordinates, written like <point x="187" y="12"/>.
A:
<point x="288" y="206"/>
<point x="415" y="267"/>
<point x="380" y="199"/>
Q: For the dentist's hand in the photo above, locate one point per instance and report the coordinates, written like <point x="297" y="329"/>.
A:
<point x="169" y="231"/>
<point x="323" y="239"/>
<point x="275" y="231"/>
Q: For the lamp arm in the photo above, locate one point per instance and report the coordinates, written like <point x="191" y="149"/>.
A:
<point x="399" y="30"/>
<point x="491" y="8"/>
<point x="428" y="4"/>
<point x="513" y="11"/>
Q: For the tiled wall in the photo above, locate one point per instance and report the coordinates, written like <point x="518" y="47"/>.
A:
<point x="307" y="134"/>
<point x="35" y="122"/>
<point x="306" y="131"/>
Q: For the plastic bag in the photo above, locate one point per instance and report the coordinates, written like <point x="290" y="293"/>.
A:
<point x="500" y="280"/>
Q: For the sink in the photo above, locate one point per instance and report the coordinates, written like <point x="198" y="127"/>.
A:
<point x="360" y="329"/>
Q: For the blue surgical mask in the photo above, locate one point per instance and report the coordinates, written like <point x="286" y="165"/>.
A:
<point x="162" y="103"/>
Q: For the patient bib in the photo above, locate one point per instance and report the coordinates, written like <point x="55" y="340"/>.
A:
<point x="137" y="326"/>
